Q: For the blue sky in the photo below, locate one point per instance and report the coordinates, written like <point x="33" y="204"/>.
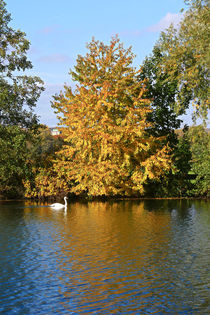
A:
<point x="59" y="30"/>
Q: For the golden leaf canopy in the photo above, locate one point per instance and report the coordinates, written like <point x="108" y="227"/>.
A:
<point x="108" y="150"/>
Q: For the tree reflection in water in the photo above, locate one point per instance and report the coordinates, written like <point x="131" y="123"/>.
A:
<point x="108" y="257"/>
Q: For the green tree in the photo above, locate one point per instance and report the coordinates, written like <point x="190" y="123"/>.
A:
<point x="185" y="54"/>
<point x="199" y="139"/>
<point x="162" y="92"/>
<point x="14" y="160"/>
<point x="18" y="96"/>
<point x="18" y="93"/>
<point x="177" y="181"/>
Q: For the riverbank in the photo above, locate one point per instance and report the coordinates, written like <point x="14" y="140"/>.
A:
<point x="108" y="198"/>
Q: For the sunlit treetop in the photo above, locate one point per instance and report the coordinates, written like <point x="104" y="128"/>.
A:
<point x="108" y="150"/>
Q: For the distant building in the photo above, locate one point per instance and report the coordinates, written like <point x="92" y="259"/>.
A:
<point x="55" y="131"/>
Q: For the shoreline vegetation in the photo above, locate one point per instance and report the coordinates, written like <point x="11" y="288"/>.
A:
<point x="104" y="199"/>
<point x="118" y="126"/>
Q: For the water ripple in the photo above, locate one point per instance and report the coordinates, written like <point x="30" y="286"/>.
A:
<point x="105" y="258"/>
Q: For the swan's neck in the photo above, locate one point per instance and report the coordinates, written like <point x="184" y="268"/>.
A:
<point x="65" y="202"/>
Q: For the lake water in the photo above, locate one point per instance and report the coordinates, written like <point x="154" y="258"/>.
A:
<point x="125" y="257"/>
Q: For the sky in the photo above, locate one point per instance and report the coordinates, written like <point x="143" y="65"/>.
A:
<point x="59" y="31"/>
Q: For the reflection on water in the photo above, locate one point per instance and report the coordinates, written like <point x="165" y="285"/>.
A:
<point x="126" y="257"/>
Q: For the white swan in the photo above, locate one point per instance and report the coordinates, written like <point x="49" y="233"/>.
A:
<point x="58" y="206"/>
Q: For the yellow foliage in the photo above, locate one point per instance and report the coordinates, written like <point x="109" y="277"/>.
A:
<point x="108" y="150"/>
<point x="46" y="184"/>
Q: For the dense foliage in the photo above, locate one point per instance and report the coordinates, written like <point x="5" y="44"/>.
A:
<point x="18" y="96"/>
<point x="18" y="92"/>
<point x="185" y="52"/>
<point x="162" y="91"/>
<point x="13" y="160"/>
<point x="43" y="181"/>
<point x="108" y="151"/>
<point x="200" y="163"/>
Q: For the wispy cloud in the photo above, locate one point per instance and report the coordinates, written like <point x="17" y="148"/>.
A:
<point x="54" y="58"/>
<point x="51" y="88"/>
<point x="49" y="29"/>
<point x="34" y="50"/>
<point x="55" y="29"/>
<point x="165" y="22"/>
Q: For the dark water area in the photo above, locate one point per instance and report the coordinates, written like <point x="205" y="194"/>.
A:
<point x="126" y="257"/>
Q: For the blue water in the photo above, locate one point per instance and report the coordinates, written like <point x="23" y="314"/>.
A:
<point x="126" y="257"/>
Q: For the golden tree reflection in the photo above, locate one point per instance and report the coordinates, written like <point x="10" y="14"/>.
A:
<point x="105" y="247"/>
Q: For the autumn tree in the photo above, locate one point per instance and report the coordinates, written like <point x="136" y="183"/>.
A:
<point x="107" y="150"/>
<point x="185" y="59"/>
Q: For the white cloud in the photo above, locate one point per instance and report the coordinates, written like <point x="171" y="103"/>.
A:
<point x="54" y="58"/>
<point x="165" y="22"/>
<point x="55" y="30"/>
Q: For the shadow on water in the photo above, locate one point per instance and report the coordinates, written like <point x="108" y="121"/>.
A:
<point x="125" y="257"/>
